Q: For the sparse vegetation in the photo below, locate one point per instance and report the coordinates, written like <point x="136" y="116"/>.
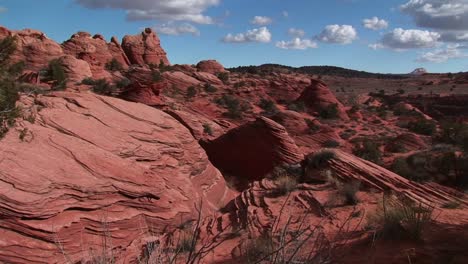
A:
<point x="234" y="107"/>
<point x="210" y="88"/>
<point x="312" y="127"/>
<point x="55" y="74"/>
<point x="320" y="159"/>
<point x="329" y="112"/>
<point x="224" y="77"/>
<point x="331" y="144"/>
<point x="285" y="184"/>
<point x="114" y="65"/>
<point x="423" y="127"/>
<point x="191" y="92"/>
<point x="207" y="129"/>
<point x="103" y="87"/>
<point x="269" y="106"/>
<point x="9" y="90"/>
<point x="298" y="106"/>
<point x="400" y="219"/>
<point x="368" y="150"/>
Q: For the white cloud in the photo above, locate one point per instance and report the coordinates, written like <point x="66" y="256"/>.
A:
<point x="375" y="23"/>
<point x="442" y="55"/>
<point x="401" y="39"/>
<point x="165" y="10"/>
<point x="285" y="14"/>
<point x="296" y="33"/>
<point x="341" y="34"/>
<point x="376" y="46"/>
<point x="297" y="44"/>
<point x="3" y="9"/>
<point x="438" y="14"/>
<point x="261" y="21"/>
<point x="261" y="35"/>
<point x="177" y="29"/>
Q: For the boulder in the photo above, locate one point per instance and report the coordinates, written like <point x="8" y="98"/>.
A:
<point x="96" y="173"/>
<point x="144" y="48"/>
<point x="210" y="66"/>
<point x="318" y="96"/>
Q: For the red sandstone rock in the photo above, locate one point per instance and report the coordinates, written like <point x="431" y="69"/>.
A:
<point x="93" y="169"/>
<point x="317" y="96"/>
<point x="210" y="66"/>
<point x="96" y="51"/>
<point x="180" y="80"/>
<point x="142" y="88"/>
<point x="407" y="141"/>
<point x="200" y="126"/>
<point x="33" y="48"/>
<point x="76" y="69"/>
<point x="144" y="48"/>
<point x="251" y="151"/>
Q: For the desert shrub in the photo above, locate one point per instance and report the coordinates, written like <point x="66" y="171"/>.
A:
<point x="320" y="159"/>
<point x="224" y="77"/>
<point x="240" y="84"/>
<point x="233" y="106"/>
<point x="88" y="81"/>
<point x="401" y="167"/>
<point x="55" y="73"/>
<point x="257" y="248"/>
<point x="191" y="91"/>
<point x="210" y="88"/>
<point x="156" y="76"/>
<point x="122" y="83"/>
<point x="395" y="147"/>
<point x="423" y="127"/>
<point x="331" y="144"/>
<point x="329" y="112"/>
<point x="368" y="150"/>
<point x="285" y="184"/>
<point x="401" y="91"/>
<point x="9" y="91"/>
<point x="348" y="191"/>
<point x="397" y="219"/>
<point x="312" y="127"/>
<point x="207" y="129"/>
<point x="114" y="65"/>
<point x="103" y="87"/>
<point x="269" y="106"/>
<point x="298" y="106"/>
<point x="454" y="133"/>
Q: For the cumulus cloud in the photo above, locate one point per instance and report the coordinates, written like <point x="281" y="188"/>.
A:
<point x="261" y="35"/>
<point x="442" y="55"/>
<point x="401" y="39"/>
<point x="438" y="14"/>
<point x="341" y="34"/>
<point x="261" y="21"/>
<point x="296" y="33"/>
<point x="375" y="23"/>
<point x="180" y="10"/>
<point x="297" y="44"/>
<point x="177" y="29"/>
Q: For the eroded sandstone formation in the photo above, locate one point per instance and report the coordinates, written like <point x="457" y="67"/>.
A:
<point x="144" y="48"/>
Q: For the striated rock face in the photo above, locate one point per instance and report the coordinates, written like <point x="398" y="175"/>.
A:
<point x="33" y="48"/>
<point x="251" y="151"/>
<point x="348" y="167"/>
<point x="317" y="96"/>
<point x="144" y="48"/>
<point x="210" y="66"/>
<point x="76" y="69"/>
<point x="142" y="88"/>
<point x="96" y="51"/>
<point x="96" y="173"/>
<point x="201" y="127"/>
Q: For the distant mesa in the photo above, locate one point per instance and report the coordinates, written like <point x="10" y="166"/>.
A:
<point x="419" y="71"/>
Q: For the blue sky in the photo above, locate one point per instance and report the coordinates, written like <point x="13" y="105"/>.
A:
<point x="397" y="37"/>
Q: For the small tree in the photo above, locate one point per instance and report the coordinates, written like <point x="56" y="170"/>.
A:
<point x="55" y="73"/>
<point x="191" y="92"/>
<point x="269" y="106"/>
<point x="114" y="65"/>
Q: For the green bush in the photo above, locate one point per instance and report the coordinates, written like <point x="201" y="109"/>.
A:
<point x="103" y="87"/>
<point x="9" y="91"/>
<point x="210" y="88"/>
<point x="114" y="65"/>
<point x="320" y="158"/>
<point x="224" y="77"/>
<point x="401" y="167"/>
<point x="191" y="92"/>
<point x="423" y="127"/>
<point x="156" y="76"/>
<point x="329" y="112"/>
<point x="368" y="150"/>
<point x="298" y="106"/>
<point x="55" y="73"/>
<point x="207" y="129"/>
<point x="269" y="106"/>
<point x="233" y="106"/>
<point x="331" y="144"/>
<point x="312" y="127"/>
